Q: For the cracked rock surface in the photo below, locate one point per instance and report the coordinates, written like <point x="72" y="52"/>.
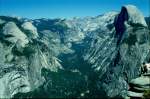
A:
<point x="87" y="57"/>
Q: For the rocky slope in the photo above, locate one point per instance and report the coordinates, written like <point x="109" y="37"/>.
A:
<point x="80" y="57"/>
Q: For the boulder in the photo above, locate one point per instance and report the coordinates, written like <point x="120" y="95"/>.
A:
<point x="141" y="88"/>
<point x="135" y="94"/>
<point x="141" y="81"/>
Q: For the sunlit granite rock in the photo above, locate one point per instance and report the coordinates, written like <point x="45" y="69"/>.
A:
<point x="106" y="50"/>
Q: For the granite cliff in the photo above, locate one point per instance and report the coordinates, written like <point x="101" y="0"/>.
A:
<point x="78" y="57"/>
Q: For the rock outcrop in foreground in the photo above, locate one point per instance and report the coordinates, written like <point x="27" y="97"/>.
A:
<point x="140" y="85"/>
<point x="87" y="57"/>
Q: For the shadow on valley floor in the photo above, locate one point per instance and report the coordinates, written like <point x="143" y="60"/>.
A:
<point x="64" y="84"/>
<point x="77" y="80"/>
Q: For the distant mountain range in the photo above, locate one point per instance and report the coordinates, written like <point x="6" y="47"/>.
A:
<point x="91" y="57"/>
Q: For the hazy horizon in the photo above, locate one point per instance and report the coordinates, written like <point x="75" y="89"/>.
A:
<point x="35" y="9"/>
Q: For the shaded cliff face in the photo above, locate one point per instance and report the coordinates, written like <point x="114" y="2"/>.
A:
<point x="147" y="19"/>
<point x="80" y="57"/>
<point x="117" y="54"/>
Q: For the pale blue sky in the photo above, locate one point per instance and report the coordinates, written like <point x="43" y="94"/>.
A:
<point x="66" y="8"/>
